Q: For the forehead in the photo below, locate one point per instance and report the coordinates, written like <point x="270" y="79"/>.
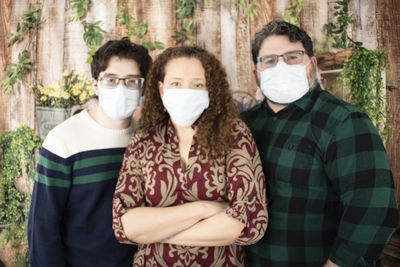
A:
<point x="278" y="44"/>
<point x="122" y="67"/>
<point x="184" y="67"/>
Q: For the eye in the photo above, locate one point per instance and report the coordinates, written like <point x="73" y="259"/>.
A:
<point x="292" y="56"/>
<point x="175" y="84"/>
<point x="132" y="81"/>
<point x="268" y="60"/>
<point x="198" y="85"/>
<point x="110" y="80"/>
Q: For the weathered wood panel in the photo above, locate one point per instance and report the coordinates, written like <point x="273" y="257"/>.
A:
<point x="388" y="38"/>
<point x="280" y="8"/>
<point x="208" y="27"/>
<point x="264" y="15"/>
<point x="243" y="49"/>
<point x="161" y="19"/>
<point x="365" y="26"/>
<point x="75" y="51"/>
<point x="22" y="101"/>
<point x="51" y="42"/>
<point x="5" y="58"/>
<point x="228" y="41"/>
<point x="313" y="17"/>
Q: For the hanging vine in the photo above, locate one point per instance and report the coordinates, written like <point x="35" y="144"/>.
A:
<point x="136" y="27"/>
<point x="363" y="79"/>
<point x="293" y="11"/>
<point x="93" y="34"/>
<point x="184" y="9"/>
<point x="15" y="72"/>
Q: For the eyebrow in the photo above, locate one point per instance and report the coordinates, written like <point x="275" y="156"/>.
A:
<point x="115" y="75"/>
<point x="177" y="78"/>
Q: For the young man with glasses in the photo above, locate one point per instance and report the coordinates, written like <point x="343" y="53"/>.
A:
<point x="331" y="200"/>
<point x="71" y="212"/>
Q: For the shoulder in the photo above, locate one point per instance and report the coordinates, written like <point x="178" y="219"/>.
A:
<point x="336" y="107"/>
<point x="251" y="113"/>
<point x="240" y="130"/>
<point x="59" y="138"/>
<point x="330" y="112"/>
<point x="82" y="133"/>
<point x="144" y="138"/>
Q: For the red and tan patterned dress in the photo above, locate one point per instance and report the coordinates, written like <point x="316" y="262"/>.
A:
<point x="151" y="175"/>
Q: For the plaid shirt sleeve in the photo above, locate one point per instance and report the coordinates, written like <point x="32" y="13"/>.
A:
<point x="358" y="167"/>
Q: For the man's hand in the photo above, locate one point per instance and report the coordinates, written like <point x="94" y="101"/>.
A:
<point x="330" y="264"/>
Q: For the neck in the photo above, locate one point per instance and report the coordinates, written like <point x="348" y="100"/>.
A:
<point x="104" y="120"/>
<point x="183" y="132"/>
<point x="275" y="106"/>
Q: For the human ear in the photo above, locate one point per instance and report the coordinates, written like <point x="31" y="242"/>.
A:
<point x="95" y="86"/>
<point x="256" y="75"/>
<point x="314" y="61"/>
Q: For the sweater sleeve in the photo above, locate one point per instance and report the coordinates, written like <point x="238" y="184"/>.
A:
<point x="246" y="186"/>
<point x="49" y="197"/>
<point x="358" y="167"/>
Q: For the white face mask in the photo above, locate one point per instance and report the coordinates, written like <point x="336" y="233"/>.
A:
<point x="119" y="103"/>
<point x="185" y="105"/>
<point x="284" y="83"/>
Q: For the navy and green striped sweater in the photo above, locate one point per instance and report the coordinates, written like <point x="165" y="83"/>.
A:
<point x="71" y="212"/>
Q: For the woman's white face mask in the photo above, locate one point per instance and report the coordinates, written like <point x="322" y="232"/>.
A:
<point x="284" y="83"/>
<point x="185" y="106"/>
<point x="119" y="103"/>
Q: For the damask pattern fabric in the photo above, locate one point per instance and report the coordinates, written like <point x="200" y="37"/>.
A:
<point x="329" y="183"/>
<point x="151" y="175"/>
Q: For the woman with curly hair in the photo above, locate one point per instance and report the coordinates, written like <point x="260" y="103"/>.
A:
<point x="191" y="190"/>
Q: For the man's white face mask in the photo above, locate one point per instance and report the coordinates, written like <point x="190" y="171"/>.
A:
<point x="119" y="103"/>
<point x="284" y="83"/>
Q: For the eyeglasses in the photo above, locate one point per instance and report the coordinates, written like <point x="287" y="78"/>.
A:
<point x="291" y="58"/>
<point x="130" y="82"/>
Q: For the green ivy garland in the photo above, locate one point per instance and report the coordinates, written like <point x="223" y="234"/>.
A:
<point x="185" y="26"/>
<point x="17" y="159"/>
<point x="31" y="20"/>
<point x="363" y="78"/>
<point x="136" y="27"/>
<point x="93" y="34"/>
<point x="293" y="11"/>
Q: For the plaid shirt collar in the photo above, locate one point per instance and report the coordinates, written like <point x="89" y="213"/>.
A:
<point x="305" y="103"/>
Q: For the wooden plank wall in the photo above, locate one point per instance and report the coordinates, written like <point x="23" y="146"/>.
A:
<point x="221" y="29"/>
<point x="389" y="40"/>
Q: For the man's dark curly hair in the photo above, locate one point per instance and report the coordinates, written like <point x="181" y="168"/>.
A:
<point x="123" y="49"/>
<point x="294" y="33"/>
<point x="215" y="123"/>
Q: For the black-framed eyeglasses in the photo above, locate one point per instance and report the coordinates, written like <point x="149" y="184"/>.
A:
<point x="291" y="58"/>
<point x="130" y="82"/>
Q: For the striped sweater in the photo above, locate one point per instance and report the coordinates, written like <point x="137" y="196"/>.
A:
<point x="71" y="211"/>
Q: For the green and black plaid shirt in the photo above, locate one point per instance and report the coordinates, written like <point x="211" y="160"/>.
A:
<point x="329" y="184"/>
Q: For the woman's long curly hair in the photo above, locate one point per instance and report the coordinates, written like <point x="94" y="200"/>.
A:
<point x="215" y="123"/>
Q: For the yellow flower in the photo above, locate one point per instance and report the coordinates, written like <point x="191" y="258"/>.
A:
<point x="83" y="96"/>
<point x="43" y="98"/>
<point x="75" y="90"/>
<point x="65" y="95"/>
